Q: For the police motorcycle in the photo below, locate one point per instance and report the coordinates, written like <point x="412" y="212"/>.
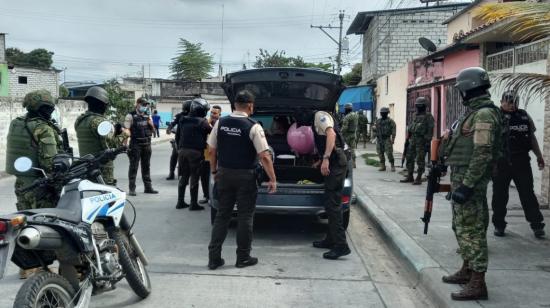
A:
<point x="87" y="234"/>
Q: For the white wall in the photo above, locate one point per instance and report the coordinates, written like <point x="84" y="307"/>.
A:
<point x="535" y="108"/>
<point x="394" y="92"/>
<point x="36" y="80"/>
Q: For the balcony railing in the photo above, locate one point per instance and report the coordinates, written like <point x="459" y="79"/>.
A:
<point x="519" y="55"/>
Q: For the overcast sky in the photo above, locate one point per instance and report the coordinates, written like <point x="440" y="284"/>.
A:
<point x="102" y="39"/>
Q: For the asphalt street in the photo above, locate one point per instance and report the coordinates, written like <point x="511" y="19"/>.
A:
<point x="290" y="273"/>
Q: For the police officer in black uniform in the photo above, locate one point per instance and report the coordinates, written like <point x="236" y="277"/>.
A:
<point x="191" y="137"/>
<point x="333" y="163"/>
<point x="141" y="127"/>
<point x="515" y="165"/>
<point x="236" y="142"/>
<point x="172" y="128"/>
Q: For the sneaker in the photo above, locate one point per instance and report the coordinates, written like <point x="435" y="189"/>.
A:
<point x="499" y="232"/>
<point x="539" y="233"/>
<point x="250" y="261"/>
<point x="214" y="264"/>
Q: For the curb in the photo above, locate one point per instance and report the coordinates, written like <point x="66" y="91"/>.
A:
<point x="428" y="270"/>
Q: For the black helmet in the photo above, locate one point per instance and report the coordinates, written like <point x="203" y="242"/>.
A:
<point x="510" y="96"/>
<point x="199" y="108"/>
<point x="96" y="94"/>
<point x="472" y="82"/>
<point x="186" y="107"/>
<point x="384" y="110"/>
<point x="421" y="101"/>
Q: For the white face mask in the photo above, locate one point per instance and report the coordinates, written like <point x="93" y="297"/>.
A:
<point x="56" y="116"/>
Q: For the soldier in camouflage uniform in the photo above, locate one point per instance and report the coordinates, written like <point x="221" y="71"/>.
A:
<point x="384" y="130"/>
<point x="34" y="136"/>
<point x="421" y="132"/>
<point x="471" y="152"/>
<point x="349" y="129"/>
<point x="363" y="130"/>
<point x="89" y="141"/>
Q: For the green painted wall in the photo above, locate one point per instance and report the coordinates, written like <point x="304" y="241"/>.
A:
<point x="4" y="80"/>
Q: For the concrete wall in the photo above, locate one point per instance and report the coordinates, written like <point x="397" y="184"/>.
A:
<point x="4" y="79"/>
<point x="36" y="80"/>
<point x="392" y="39"/>
<point x="66" y="113"/>
<point x="391" y="92"/>
<point x="536" y="108"/>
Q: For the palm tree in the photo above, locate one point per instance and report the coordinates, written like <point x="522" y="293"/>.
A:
<point x="527" y="21"/>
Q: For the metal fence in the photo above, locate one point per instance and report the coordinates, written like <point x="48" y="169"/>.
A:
<point x="519" y="55"/>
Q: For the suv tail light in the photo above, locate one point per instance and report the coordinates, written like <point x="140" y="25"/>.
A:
<point x="345" y="199"/>
<point x="3" y="227"/>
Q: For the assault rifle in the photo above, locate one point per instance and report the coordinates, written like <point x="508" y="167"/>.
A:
<point x="405" y="149"/>
<point x="65" y="138"/>
<point x="437" y="170"/>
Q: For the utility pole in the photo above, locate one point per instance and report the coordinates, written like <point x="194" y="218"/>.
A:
<point x="338" y="42"/>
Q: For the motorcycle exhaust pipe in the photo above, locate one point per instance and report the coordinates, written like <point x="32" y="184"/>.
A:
<point x="39" y="238"/>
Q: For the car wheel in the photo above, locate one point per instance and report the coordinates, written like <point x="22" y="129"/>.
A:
<point x="345" y="219"/>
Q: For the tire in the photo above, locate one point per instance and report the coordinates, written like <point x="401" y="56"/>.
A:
<point x="136" y="273"/>
<point x="213" y="213"/>
<point x="345" y="219"/>
<point x="46" y="288"/>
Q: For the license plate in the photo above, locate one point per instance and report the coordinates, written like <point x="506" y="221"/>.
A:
<point x="7" y="243"/>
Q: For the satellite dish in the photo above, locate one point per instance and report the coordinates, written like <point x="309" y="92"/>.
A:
<point x="427" y="44"/>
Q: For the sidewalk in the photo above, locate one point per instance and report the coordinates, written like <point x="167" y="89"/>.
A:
<point x="519" y="264"/>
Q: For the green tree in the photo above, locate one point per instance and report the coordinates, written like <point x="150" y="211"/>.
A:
<point x="525" y="21"/>
<point x="192" y="62"/>
<point x="63" y="92"/>
<point x="279" y="59"/>
<point x="121" y="105"/>
<point x="354" y="77"/>
<point x="37" y="58"/>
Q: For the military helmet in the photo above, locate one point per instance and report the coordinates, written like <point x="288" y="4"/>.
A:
<point x="384" y="110"/>
<point x="421" y="101"/>
<point x="472" y="78"/>
<point x="96" y="94"/>
<point x="199" y="107"/>
<point x="186" y="107"/>
<point x="348" y="106"/>
<point x="36" y="99"/>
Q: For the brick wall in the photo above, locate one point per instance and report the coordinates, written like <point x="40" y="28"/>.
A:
<point x="36" y="80"/>
<point x="392" y="38"/>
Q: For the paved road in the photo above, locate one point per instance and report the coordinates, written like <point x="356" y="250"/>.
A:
<point x="291" y="273"/>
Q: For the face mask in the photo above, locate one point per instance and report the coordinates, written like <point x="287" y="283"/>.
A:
<point x="143" y="109"/>
<point x="420" y="109"/>
<point x="45" y="112"/>
<point x="384" y="115"/>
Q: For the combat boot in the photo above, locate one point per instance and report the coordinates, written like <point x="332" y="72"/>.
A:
<point x="149" y="189"/>
<point x="194" y="190"/>
<point x="408" y="179"/>
<point x="476" y="289"/>
<point x="463" y="275"/>
<point x="171" y="176"/>
<point x="392" y="167"/>
<point x="382" y="168"/>
<point x="418" y="179"/>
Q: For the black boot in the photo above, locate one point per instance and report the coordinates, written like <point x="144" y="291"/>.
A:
<point x="337" y="252"/>
<point x="408" y="179"/>
<point x="149" y="189"/>
<point x="324" y="244"/>
<point x="247" y="261"/>
<point x="194" y="197"/>
<point x="181" y="199"/>
<point x="215" y="263"/>
<point x="171" y="176"/>
<point x="132" y="188"/>
<point x="418" y="179"/>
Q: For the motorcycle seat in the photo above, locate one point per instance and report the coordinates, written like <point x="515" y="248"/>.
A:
<point x="63" y="214"/>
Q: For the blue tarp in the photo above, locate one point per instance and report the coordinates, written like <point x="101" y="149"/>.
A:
<point x="361" y="97"/>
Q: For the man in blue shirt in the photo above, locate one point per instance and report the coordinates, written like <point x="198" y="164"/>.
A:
<point x="156" y="123"/>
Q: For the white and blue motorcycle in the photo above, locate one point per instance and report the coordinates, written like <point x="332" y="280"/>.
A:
<point x="87" y="234"/>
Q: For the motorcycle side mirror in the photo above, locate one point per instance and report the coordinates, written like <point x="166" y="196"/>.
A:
<point x="105" y="128"/>
<point x="22" y="164"/>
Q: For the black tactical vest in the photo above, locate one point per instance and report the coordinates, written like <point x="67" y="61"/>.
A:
<point x="321" y="141"/>
<point x="235" y="149"/>
<point x="192" y="133"/>
<point x="519" y="132"/>
<point x="140" y="129"/>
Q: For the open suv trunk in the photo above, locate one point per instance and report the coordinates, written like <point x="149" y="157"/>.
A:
<point x="279" y="91"/>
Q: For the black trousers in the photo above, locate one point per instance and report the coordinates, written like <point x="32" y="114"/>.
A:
<point x="173" y="158"/>
<point x="334" y="183"/>
<point x="140" y="153"/>
<point x="190" y="162"/>
<point x="234" y="186"/>
<point x="521" y="173"/>
<point x="205" y="178"/>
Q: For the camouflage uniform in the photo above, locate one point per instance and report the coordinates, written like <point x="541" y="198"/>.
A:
<point x="349" y="131"/>
<point x="39" y="139"/>
<point x="471" y="153"/>
<point x="90" y="142"/>
<point x="421" y="132"/>
<point x="363" y="130"/>
<point x="384" y="130"/>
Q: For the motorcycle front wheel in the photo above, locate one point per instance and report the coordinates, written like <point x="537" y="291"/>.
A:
<point x="45" y="290"/>
<point x="136" y="273"/>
